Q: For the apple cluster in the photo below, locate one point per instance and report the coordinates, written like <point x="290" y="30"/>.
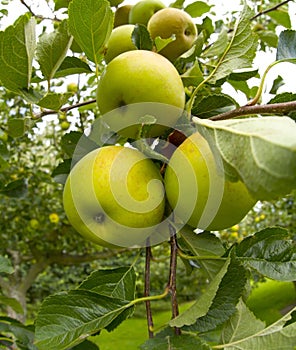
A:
<point x="116" y="196"/>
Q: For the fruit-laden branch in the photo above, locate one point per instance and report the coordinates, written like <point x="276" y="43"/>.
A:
<point x="270" y="9"/>
<point x="273" y="108"/>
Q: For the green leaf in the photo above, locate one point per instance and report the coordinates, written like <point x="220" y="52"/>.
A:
<point x="60" y="173"/>
<point x="52" y="49"/>
<point x="277" y="83"/>
<point x="24" y="335"/>
<point x="193" y="76"/>
<point x="66" y="319"/>
<point x="213" y="104"/>
<point x="16" y="127"/>
<point x="219" y="301"/>
<point x="141" y="38"/>
<point x="197" y="8"/>
<point x="161" y="43"/>
<point x="271" y="252"/>
<point x="241" y="49"/>
<point x="3" y="164"/>
<point x="72" y="65"/>
<point x="286" y="49"/>
<point x="204" y="245"/>
<point x="276" y="336"/>
<point x="16" y="189"/>
<point x="219" y="46"/>
<point x="58" y="4"/>
<point x="54" y="101"/>
<point x="243" y="75"/>
<point x="241" y="325"/>
<point x="117" y="283"/>
<point x="76" y="145"/>
<point x="91" y="23"/>
<point x="284" y="97"/>
<point x="264" y="156"/>
<point x="13" y="303"/>
<point x="17" y="47"/>
<point x="5" y="265"/>
<point x="168" y="340"/>
<point x="268" y="37"/>
<point x="281" y="16"/>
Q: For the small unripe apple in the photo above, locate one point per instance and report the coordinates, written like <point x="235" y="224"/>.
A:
<point x="121" y="15"/>
<point x="141" y="79"/>
<point x="72" y="87"/>
<point x="143" y="10"/>
<point x="171" y="21"/>
<point x="65" y="125"/>
<point x="120" y="41"/>
<point x="114" y="196"/>
<point x="199" y="193"/>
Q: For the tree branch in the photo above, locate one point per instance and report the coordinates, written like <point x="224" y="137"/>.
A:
<point x="270" y="9"/>
<point x="172" y="277"/>
<point x="273" y="108"/>
<point x="64" y="109"/>
<point x="147" y="291"/>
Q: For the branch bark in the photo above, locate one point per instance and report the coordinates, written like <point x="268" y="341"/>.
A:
<point x="147" y="292"/>
<point x="273" y="108"/>
<point x="172" y="286"/>
<point x="270" y="9"/>
<point x="64" y="109"/>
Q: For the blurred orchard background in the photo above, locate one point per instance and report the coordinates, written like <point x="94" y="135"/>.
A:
<point x="45" y="252"/>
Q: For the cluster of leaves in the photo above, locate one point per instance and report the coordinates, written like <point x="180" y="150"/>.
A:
<point x="219" y="318"/>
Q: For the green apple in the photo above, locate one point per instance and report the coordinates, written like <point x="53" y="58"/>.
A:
<point x="143" y="10"/>
<point x="121" y="15"/>
<point x="72" y="87"/>
<point x="119" y="41"/>
<point x="135" y="84"/>
<point x="114" y="196"/>
<point x="171" y="21"/>
<point x="198" y="191"/>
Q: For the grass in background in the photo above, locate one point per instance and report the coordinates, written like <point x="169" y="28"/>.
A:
<point x="132" y="332"/>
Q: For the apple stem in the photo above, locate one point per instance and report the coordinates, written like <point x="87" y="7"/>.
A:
<point x="147" y="291"/>
<point x="172" y="285"/>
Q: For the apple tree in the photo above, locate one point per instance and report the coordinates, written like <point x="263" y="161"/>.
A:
<point x="162" y="88"/>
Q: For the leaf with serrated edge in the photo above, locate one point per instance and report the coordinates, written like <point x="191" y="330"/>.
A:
<point x="204" y="244"/>
<point x="241" y="325"/>
<point x="54" y="101"/>
<point x="91" y="23"/>
<point x="259" y="151"/>
<point x="17" y="47"/>
<point x="67" y="319"/>
<point x="274" y="337"/>
<point x="52" y="49"/>
<point x="224" y="303"/>
<point x="117" y="283"/>
<point x="72" y="65"/>
<point x="241" y="49"/>
<point x="202" y="305"/>
<point x="271" y="252"/>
